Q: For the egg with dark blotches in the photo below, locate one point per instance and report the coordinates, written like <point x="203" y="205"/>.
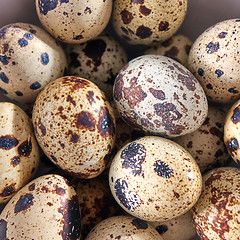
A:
<point x="19" y="151"/>
<point x="75" y="126"/>
<point x="74" y="21"/>
<point x="158" y="95"/>
<point x="46" y="208"/>
<point x="98" y="60"/>
<point x="216" y="214"/>
<point x="214" y="60"/>
<point x="29" y="59"/>
<point x="155" y="179"/>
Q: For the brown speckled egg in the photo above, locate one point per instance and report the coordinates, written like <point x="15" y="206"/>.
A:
<point x="98" y="60"/>
<point x="74" y="21"/>
<point x="176" y="47"/>
<point x="145" y="22"/>
<point x="46" y="208"/>
<point x="180" y="228"/>
<point x="19" y="151"/>
<point x="158" y="95"/>
<point x="155" y="179"/>
<point x="214" y="60"/>
<point x="216" y="214"/>
<point x="29" y="59"/>
<point x="206" y="144"/>
<point x="123" y="227"/>
<point x="75" y="126"/>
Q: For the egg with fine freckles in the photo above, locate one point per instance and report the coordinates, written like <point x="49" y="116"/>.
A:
<point x="155" y="179"/>
<point x="46" y="208"/>
<point x="75" y="126"/>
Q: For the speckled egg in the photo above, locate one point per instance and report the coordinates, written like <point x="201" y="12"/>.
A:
<point x="177" y="47"/>
<point x="19" y="151"/>
<point x="180" y="228"/>
<point x="29" y="59"/>
<point x="46" y="208"/>
<point x="155" y="179"/>
<point x="217" y="212"/>
<point x="74" y="21"/>
<point x="214" y="60"/>
<point x="75" y="126"/>
<point x="158" y="95"/>
<point x="145" y="22"/>
<point x="206" y="144"/>
<point x="123" y="227"/>
<point x="97" y="60"/>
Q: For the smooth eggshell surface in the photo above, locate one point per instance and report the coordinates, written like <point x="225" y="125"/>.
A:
<point x="46" y="208"/>
<point x="19" y="151"/>
<point x="75" y="126"/>
<point x="155" y="179"/>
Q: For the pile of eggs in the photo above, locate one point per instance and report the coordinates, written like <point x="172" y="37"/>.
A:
<point x="98" y="144"/>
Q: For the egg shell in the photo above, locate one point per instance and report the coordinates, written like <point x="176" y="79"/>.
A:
<point x="74" y="21"/>
<point x="158" y="95"/>
<point x="75" y="126"/>
<point x="216" y="214"/>
<point x="206" y="144"/>
<point x="29" y="59"/>
<point x="214" y="60"/>
<point x="46" y="208"/>
<point x="155" y="185"/>
<point x="177" y="47"/>
<point x="145" y="22"/>
<point x="123" y="227"/>
<point x="98" y="60"/>
<point x="19" y="151"/>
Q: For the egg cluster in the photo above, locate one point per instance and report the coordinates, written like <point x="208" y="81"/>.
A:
<point x="115" y="146"/>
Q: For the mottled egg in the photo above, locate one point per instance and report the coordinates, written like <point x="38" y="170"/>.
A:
<point x="75" y="126"/>
<point x="177" y="47"/>
<point x="123" y="227"/>
<point x="214" y="60"/>
<point x="74" y="21"/>
<point x="158" y="95"/>
<point x="206" y="144"/>
<point x="155" y="179"/>
<point x="216" y="214"/>
<point x="29" y="59"/>
<point x="98" y="60"/>
<point x="146" y="22"/>
<point x="46" y="208"/>
<point x="19" y="151"/>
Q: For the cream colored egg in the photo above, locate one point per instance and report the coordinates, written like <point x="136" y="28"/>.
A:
<point x="155" y="179"/>
<point x="74" y="21"/>
<point x="29" y="59"/>
<point x="75" y="126"/>
<point x="19" y="151"/>
<point x="214" y="60"/>
<point x="46" y="208"/>
<point x="123" y="227"/>
<point x="216" y="214"/>
<point x="145" y="22"/>
<point x="98" y="60"/>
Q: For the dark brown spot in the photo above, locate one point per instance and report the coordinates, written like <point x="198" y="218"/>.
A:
<point x="144" y="10"/>
<point x="74" y="62"/>
<point x="24" y="202"/>
<point x="90" y="98"/>
<point x="218" y="153"/>
<point x="216" y="132"/>
<point x="7" y="191"/>
<point x="49" y="204"/>
<point x="78" y="37"/>
<point x="139" y="224"/>
<point x="7" y="142"/>
<point x="25" y="148"/>
<point x="75" y="82"/>
<point x="187" y="49"/>
<point x="222" y="34"/>
<point x="146" y="123"/>
<point x="3" y="31"/>
<point x="219" y="72"/>
<point x="53" y="158"/>
<point x="126" y="16"/>
<point x="70" y="99"/>
<point x="159" y="94"/>
<point x="233" y="90"/>
<point x="162" y="169"/>
<point x="209" y="86"/>
<point x="31" y="187"/>
<point x="163" y="26"/>
<point x="167" y="43"/>
<point x="236" y="115"/>
<point x="85" y="120"/>
<point x="42" y="127"/>
<point x="200" y="72"/>
<point x="118" y="87"/>
<point x="232" y="145"/>
<point x="212" y="47"/>
<point x="3" y="228"/>
<point x="60" y="191"/>
<point x="190" y="144"/>
<point x="74" y="138"/>
<point x="137" y="1"/>
<point x="162" y="229"/>
<point x="15" y="161"/>
<point x="172" y="53"/>
<point x="143" y="32"/>
<point x="176" y="195"/>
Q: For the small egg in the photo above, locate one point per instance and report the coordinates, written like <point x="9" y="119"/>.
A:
<point x="29" y="59"/>
<point x="19" y="151"/>
<point x="214" y="60"/>
<point x="98" y="60"/>
<point x="216" y="214"/>
<point x="74" y="21"/>
<point x="177" y="47"/>
<point x="158" y="95"/>
<point x="75" y="126"/>
<point x="46" y="208"/>
<point x="155" y="179"/>
<point x="123" y="227"/>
